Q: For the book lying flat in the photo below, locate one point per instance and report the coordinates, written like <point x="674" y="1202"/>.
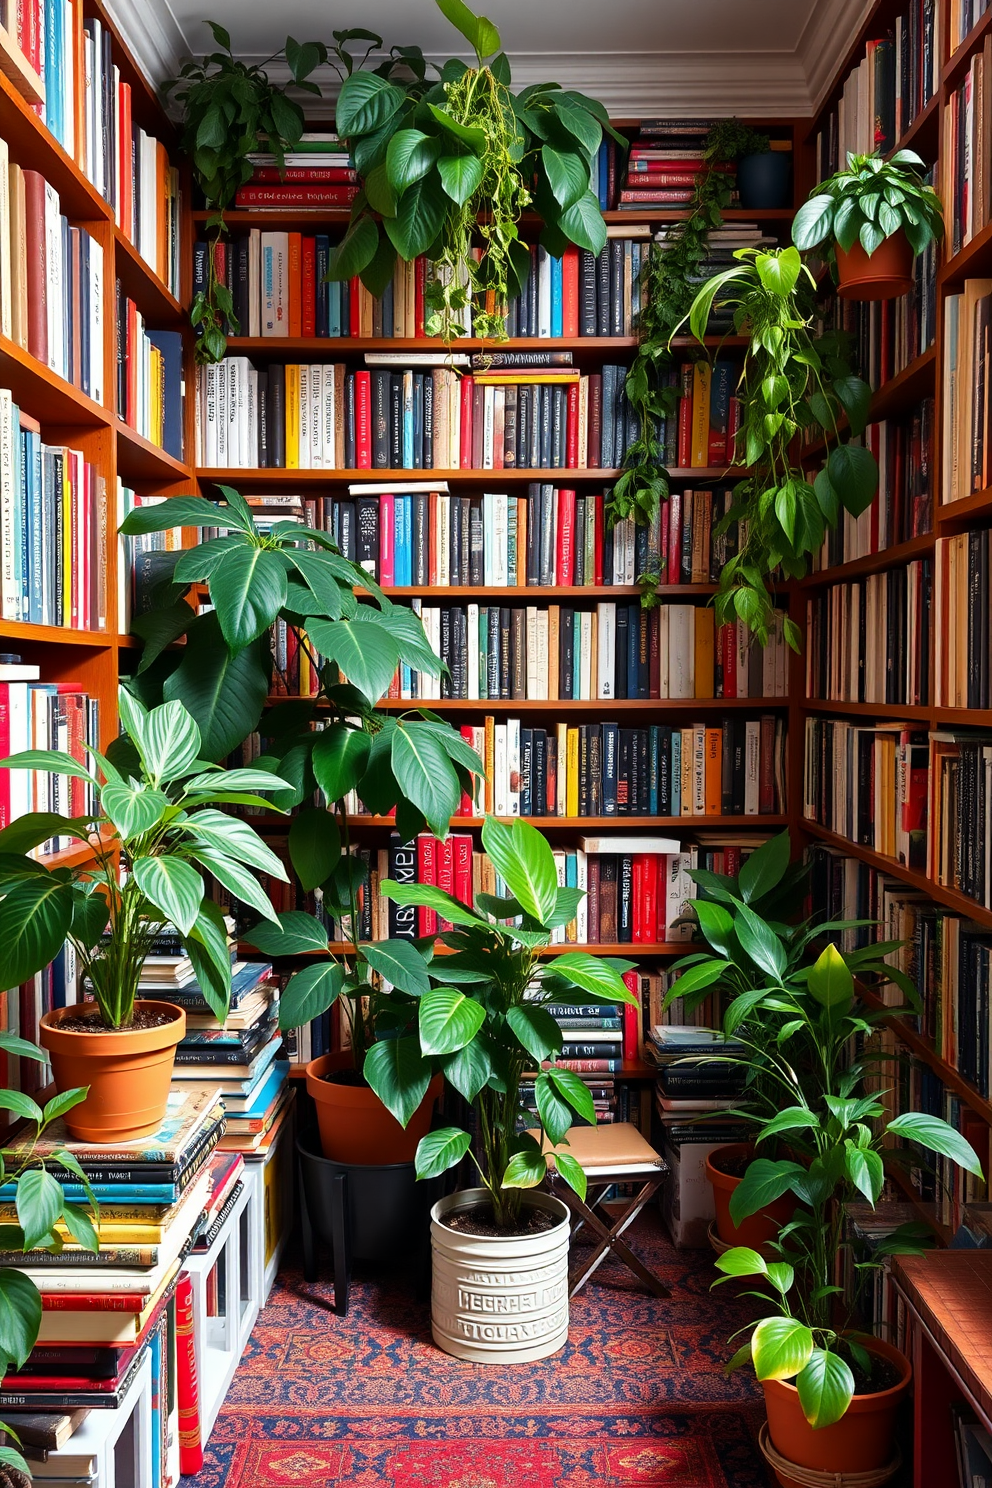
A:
<point x="102" y="1327"/>
<point x="51" y="1432"/>
<point x="215" y="1077"/>
<point x="187" y="1113"/>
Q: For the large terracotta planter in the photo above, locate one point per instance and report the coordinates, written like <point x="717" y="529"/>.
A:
<point x="499" y="1299"/>
<point x="758" y="1229"/>
<point x="128" y="1073"/>
<point x="861" y="1441"/>
<point x="884" y="275"/>
<point x="355" y="1126"/>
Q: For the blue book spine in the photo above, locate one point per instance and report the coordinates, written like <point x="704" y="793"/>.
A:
<point x="344" y="307"/>
<point x="109" y="1193"/>
<point x="334" y="310"/>
<point x="633" y="650"/>
<point x="408" y="422"/>
<point x="675" y="775"/>
<point x="557" y="297"/>
<point x="53" y="66"/>
<point x="322" y="253"/>
<point x="159" y="1406"/>
<point x="654" y="744"/>
<point x="576" y="655"/>
<point x="571" y="871"/>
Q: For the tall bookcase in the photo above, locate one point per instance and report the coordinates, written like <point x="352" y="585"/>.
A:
<point x="923" y="377"/>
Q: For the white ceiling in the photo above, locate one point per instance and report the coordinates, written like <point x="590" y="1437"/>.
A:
<point x="761" y="57"/>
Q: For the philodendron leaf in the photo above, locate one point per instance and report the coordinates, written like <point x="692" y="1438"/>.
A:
<point x="441" y="1150"/>
<point x="829" y="980"/>
<point x="780" y="1348"/>
<point x="764" y="1181"/>
<point x="936" y="1135"/>
<point x="826" y="1388"/>
<point x="171" y="741"/>
<point x="310" y="993"/>
<point x="248" y="589"/>
<point x="525" y="1169"/>
<point x="448" y="1020"/>
<point x="525" y="862"/>
<point x="399" y="1074"/>
<point x="132" y="810"/>
<point x="20" y="1315"/>
<point x="295" y="933"/>
<point x="401" y="964"/>
<point x="39" y="1204"/>
<point x="34" y="921"/>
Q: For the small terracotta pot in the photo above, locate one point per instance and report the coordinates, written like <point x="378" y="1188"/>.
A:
<point x="884" y="275"/>
<point x="758" y="1229"/>
<point x="355" y="1126"/>
<point x="861" y="1441"/>
<point x="128" y="1073"/>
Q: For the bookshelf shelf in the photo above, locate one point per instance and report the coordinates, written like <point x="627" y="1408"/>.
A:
<point x="546" y="591"/>
<point x="894" y="557"/>
<point x="72" y="857"/>
<point x="958" y="62"/>
<point x="31" y="143"/>
<point x="626" y="948"/>
<point x="142" y="284"/>
<point x="54" y="635"/>
<point x="923" y="135"/>
<point x="970" y="260"/>
<point x="923" y="1048"/>
<point x="644" y="706"/>
<point x="18" y="70"/>
<point x="266" y="217"/>
<point x="561" y="823"/>
<point x="561" y="475"/>
<point x="412" y="346"/>
<point x="139" y="459"/>
<point x="978" y="505"/>
<point x="908" y="711"/>
<point x="42" y="392"/>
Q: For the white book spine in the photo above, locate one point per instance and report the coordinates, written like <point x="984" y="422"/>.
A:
<point x="607" y="647"/>
<point x="472" y="624"/>
<point x="500" y="781"/>
<point x="513" y="766"/>
<point x="752" y="766"/>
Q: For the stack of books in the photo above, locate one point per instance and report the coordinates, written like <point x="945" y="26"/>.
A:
<point x="102" y="1311"/>
<point x="665" y="163"/>
<point x="42" y="1434"/>
<point x="316" y="172"/>
<point x="722" y="243"/>
<point x="694" y="1086"/>
<point x="226" y="1183"/>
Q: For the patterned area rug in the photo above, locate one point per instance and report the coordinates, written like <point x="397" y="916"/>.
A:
<point x="637" y="1399"/>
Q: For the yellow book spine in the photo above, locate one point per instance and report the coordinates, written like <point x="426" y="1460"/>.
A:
<point x="572" y="773"/>
<point x="292" y="416"/>
<point x="701" y="378"/>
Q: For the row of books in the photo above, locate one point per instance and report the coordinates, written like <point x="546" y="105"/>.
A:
<point x="967" y="391"/>
<point x="967" y="151"/>
<point x="143" y="561"/>
<point x="149" y="378"/>
<point x="964" y="14"/>
<point x="963" y="662"/>
<point x="883" y="94"/>
<point x="869" y="783"/>
<point x="279" y="288"/>
<point x="889" y="334"/>
<point x="313" y="417"/>
<point x="903" y="509"/>
<point x="420" y="534"/>
<point x="88" y="108"/>
<point x="51" y="280"/>
<point x="959" y="852"/>
<point x="45" y="715"/>
<point x="53" y="559"/>
<point x="869" y="640"/>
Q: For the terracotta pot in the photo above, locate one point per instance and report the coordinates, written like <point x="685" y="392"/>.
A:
<point x="128" y="1073"/>
<point x="861" y="1441"/>
<point x="885" y="275"/>
<point x="758" y="1229"/>
<point x="355" y="1126"/>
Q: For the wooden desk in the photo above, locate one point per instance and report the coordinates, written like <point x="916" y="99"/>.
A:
<point x="948" y="1296"/>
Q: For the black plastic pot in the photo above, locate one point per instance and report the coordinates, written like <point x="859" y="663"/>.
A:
<point x="364" y="1213"/>
<point x="764" y="180"/>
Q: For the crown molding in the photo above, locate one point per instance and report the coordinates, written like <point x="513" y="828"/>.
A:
<point x="825" y="43"/>
<point x="152" y="35"/>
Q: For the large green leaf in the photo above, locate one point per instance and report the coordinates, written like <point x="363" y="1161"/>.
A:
<point x="20" y="1315"/>
<point x="400" y="963"/>
<point x="764" y="1181"/>
<point x="173" y="886"/>
<point x="813" y="222"/>
<point x="448" y="1020"/>
<point x="764" y="869"/>
<point x="441" y="1150"/>
<point x="537" y="1031"/>
<point x="525" y="1169"/>
<point x="34" y="921"/>
<point x="231" y="835"/>
<point x="247" y="589"/>
<point x="340" y="755"/>
<point x="865" y="1170"/>
<point x="171" y="742"/>
<point x="760" y="942"/>
<point x="425" y="775"/>
<point x="39" y="1205"/>
<point x="568" y="175"/>
<point x="366" y="102"/>
<point x="310" y="993"/>
<point x="247" y="779"/>
<point x="206" y="946"/>
<point x="583" y="223"/>
<point x="829" y="980"/>
<point x="50" y="760"/>
<point x="826" y="1387"/>
<point x="297" y="932"/>
<point x="328" y="597"/>
<point x="314" y="846"/>
<point x="461" y="176"/>
<point x="741" y="1260"/>
<point x="853" y="474"/>
<point x="780" y="1348"/>
<point x="356" y="249"/>
<point x="595" y="974"/>
<point x="20" y="1104"/>
<point x="555" y="1114"/>
<point x="468" y="1069"/>
<point x="430" y="897"/>
<point x="31" y="830"/>
<point x="409" y="156"/>
<point x="238" y="879"/>
<point x="399" y="1074"/>
<point x="179" y="511"/>
<point x="937" y="1136"/>
<point x="224" y="693"/>
<point x="365" y="652"/>
<point x="575" y="1091"/>
<point x="718" y="927"/>
<point x="525" y="862"/>
<point x="420" y="214"/>
<point x="133" y="810"/>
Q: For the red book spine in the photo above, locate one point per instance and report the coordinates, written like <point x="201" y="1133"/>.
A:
<point x="466" y="807"/>
<point x="387" y="559"/>
<point x="572" y="428"/>
<point x="363" y="420"/>
<point x="640" y="932"/>
<point x="649" y="891"/>
<point x="732" y="862"/>
<point x="295" y="284"/>
<point x="584" y="1066"/>
<point x="354" y="307"/>
<point x="419" y="289"/>
<point x="93" y="1301"/>
<point x="565" y="555"/>
<point x="309" y="309"/>
<point x="295" y="196"/>
<point x="461" y="848"/>
<point x="728" y="659"/>
<point x="4" y="751"/>
<point x="326" y="175"/>
<point x="187" y="1384"/>
<point x="675" y="537"/>
<point x="292" y="661"/>
<point x="570" y="295"/>
<point x="644" y="163"/>
<point x="654" y="653"/>
<point x="445" y="867"/>
<point x="465" y="427"/>
<point x="26" y="1384"/>
<point x="656" y="180"/>
<point x="34" y="230"/>
<point x="426" y="874"/>
<point x="631" y="1018"/>
<point x="598" y="540"/>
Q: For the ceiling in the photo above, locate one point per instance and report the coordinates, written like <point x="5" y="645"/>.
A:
<point x="762" y="57"/>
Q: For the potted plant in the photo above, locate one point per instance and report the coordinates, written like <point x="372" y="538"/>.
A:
<point x="799" y="1027"/>
<point x="874" y="218"/>
<point x="229" y="109"/>
<point x="450" y="161"/>
<point x="792" y="382"/>
<point x="763" y="174"/>
<point x="500" y="1250"/>
<point x="155" y="818"/>
<point x="44" y="1217"/>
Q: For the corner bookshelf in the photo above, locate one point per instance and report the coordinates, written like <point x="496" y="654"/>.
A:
<point x="923" y="376"/>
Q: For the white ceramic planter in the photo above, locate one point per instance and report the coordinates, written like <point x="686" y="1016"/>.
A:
<point x="499" y="1299"/>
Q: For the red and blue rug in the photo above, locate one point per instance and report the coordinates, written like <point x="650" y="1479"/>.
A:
<point x="637" y="1399"/>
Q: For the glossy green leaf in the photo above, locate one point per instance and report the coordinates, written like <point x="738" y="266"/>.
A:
<point x="35" y="916"/>
<point x="340" y="756"/>
<point x="525" y="862"/>
<point x="594" y="974"/>
<point x="425" y="775"/>
<point x="366" y="102"/>
<point x="248" y="589"/>
<point x="173" y="886"/>
<point x="568" y="175"/>
<point x="314" y="846"/>
<point x="760" y="942"/>
<point x="829" y="980"/>
<point x="430" y="898"/>
<point x="441" y="1150"/>
<point x="365" y="652"/>
<point x="20" y="1315"/>
<point x="583" y="223"/>
<point x="937" y="1136"/>
<point x="401" y="964"/>
<point x="420" y="214"/>
<point x="409" y="156"/>
<point x="780" y="1348"/>
<point x="536" y="1030"/>
<point x="52" y="760"/>
<point x="238" y="879"/>
<point x="741" y="1260"/>
<point x="179" y="511"/>
<point x="853" y="474"/>
<point x="296" y="933"/>
<point x="469" y="1068"/>
<point x="399" y="1074"/>
<point x="572" y="1172"/>
<point x="763" y="1182"/>
<point x="133" y="811"/>
<point x="461" y="176"/>
<point x="448" y="1020"/>
<point x="39" y="1205"/>
<point x="575" y="1091"/>
<point x="355" y="251"/>
<point x="224" y="693"/>
<point x="826" y="1388"/>
<point x="233" y="836"/>
<point x="555" y="1114"/>
<point x="310" y="993"/>
<point x="764" y="869"/>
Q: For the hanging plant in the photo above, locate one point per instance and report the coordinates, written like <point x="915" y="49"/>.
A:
<point x="450" y="163"/>
<point x="791" y="382"/>
<point x="230" y="110"/>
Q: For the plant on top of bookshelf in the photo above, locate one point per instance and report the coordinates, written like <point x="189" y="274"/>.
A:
<point x="449" y="162"/>
<point x="797" y="1019"/>
<point x="792" y="381"/>
<point x="229" y="107"/>
<point x="871" y="220"/>
<point x="155" y="815"/>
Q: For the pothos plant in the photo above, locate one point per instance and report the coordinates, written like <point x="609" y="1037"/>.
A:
<point x="337" y="741"/>
<point x="458" y="159"/>
<point x="231" y="109"/>
<point x="793" y="382"/>
<point x="867" y="202"/>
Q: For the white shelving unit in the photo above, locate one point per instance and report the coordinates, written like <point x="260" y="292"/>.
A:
<point x="120" y="1441"/>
